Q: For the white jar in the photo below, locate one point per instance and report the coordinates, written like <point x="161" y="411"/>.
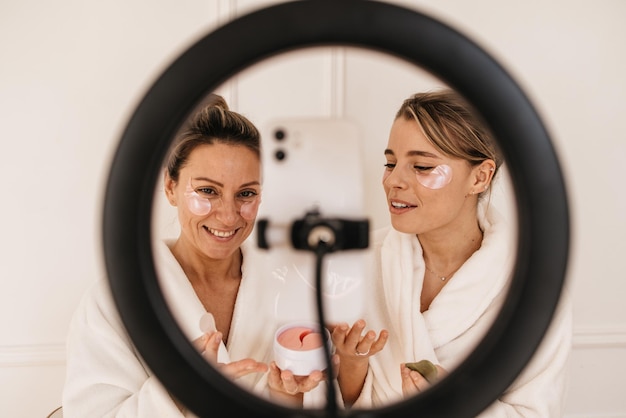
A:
<point x="301" y="362"/>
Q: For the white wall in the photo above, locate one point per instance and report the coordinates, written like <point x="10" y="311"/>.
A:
<point x="71" y="72"/>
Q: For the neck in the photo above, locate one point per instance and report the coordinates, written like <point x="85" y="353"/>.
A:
<point x="445" y="251"/>
<point x="201" y="269"/>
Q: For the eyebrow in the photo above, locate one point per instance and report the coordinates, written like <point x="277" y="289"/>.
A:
<point x="217" y="183"/>
<point x="414" y="153"/>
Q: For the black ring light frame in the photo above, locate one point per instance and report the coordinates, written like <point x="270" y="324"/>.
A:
<point x="543" y="217"/>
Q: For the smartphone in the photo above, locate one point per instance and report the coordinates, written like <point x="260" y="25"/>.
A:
<point x="312" y="164"/>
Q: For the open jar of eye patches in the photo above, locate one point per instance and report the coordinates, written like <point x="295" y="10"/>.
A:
<point x="299" y="347"/>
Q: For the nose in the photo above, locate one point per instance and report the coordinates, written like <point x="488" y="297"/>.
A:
<point x="396" y="178"/>
<point x="227" y="211"/>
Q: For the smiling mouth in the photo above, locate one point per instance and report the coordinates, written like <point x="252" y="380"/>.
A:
<point x="399" y="205"/>
<point x="221" y="234"/>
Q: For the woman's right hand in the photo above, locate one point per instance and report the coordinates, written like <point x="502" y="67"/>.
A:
<point x="208" y="345"/>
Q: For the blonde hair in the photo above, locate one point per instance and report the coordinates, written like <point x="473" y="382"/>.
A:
<point x="452" y="126"/>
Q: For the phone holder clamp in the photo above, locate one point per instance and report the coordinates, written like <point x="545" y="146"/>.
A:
<point x="313" y="230"/>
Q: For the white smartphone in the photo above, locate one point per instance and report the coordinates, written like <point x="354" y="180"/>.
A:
<point x="312" y="164"/>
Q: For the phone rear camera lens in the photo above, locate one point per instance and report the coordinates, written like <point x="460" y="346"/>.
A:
<point x="280" y="155"/>
<point x="279" y="134"/>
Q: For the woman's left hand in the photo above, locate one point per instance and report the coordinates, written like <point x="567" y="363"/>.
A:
<point x="413" y="382"/>
<point x="352" y="344"/>
<point x="354" y="349"/>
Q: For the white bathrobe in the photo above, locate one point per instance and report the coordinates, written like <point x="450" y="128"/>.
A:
<point x="457" y="320"/>
<point x="106" y="376"/>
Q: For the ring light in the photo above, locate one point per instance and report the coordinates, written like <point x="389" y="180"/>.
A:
<point x="543" y="218"/>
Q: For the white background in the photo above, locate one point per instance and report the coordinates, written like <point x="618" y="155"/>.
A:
<point x="71" y="72"/>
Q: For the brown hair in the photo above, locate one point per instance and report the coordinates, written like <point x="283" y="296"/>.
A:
<point x="213" y="123"/>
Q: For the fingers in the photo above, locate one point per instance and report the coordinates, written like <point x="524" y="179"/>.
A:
<point x="208" y="345"/>
<point x="273" y="377"/>
<point x="282" y="380"/>
<point x="371" y="345"/>
<point x="352" y="342"/>
<point x="364" y="347"/>
<point x="353" y="336"/>
<point x="310" y="382"/>
<point x="336" y="359"/>
<point x="200" y="343"/>
<point x="243" y="367"/>
<point x="426" y="368"/>
<point x="412" y="381"/>
<point x="338" y="336"/>
<point x="285" y="381"/>
<point x="379" y="344"/>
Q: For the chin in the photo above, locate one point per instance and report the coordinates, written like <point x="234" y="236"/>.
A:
<point x="402" y="226"/>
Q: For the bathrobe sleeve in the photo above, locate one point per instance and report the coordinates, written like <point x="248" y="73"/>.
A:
<point x="105" y="375"/>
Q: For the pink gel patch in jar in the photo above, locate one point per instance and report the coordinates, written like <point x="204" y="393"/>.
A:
<point x="196" y="204"/>
<point x="299" y="347"/>
<point x="436" y="178"/>
<point x="300" y="338"/>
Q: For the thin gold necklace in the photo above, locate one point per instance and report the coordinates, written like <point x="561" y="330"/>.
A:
<point x="444" y="278"/>
<point x="439" y="276"/>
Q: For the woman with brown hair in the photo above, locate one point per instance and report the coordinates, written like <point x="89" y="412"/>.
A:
<point x="209" y="278"/>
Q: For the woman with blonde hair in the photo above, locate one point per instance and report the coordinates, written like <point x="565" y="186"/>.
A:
<point x="443" y="268"/>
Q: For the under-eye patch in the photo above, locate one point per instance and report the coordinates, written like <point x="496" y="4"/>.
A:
<point x="197" y="205"/>
<point x="249" y="208"/>
<point x="436" y="178"/>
